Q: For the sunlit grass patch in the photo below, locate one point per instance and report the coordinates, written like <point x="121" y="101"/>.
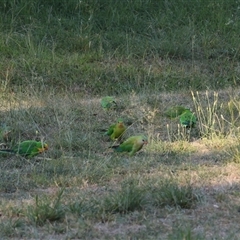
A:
<point x="170" y="153"/>
<point x="234" y="153"/>
<point x="217" y="116"/>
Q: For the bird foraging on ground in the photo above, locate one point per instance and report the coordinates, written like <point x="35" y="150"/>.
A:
<point x="116" y="131"/>
<point x="174" y="111"/>
<point x="188" y="119"/>
<point x="108" y="103"/>
<point x="29" y="148"/>
<point x="131" y="145"/>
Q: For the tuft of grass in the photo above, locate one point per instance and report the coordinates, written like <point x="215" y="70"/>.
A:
<point x="234" y="153"/>
<point x="185" y="233"/>
<point x="210" y="122"/>
<point x="12" y="228"/>
<point x="46" y="210"/>
<point x="128" y="199"/>
<point x="169" y="193"/>
<point x="216" y="119"/>
<point x="85" y="207"/>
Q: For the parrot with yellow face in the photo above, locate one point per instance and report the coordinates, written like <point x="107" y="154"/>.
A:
<point x="29" y="148"/>
<point x="131" y="145"/>
<point x="116" y="131"/>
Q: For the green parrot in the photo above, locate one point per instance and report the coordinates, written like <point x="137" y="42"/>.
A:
<point x="131" y="145"/>
<point x="116" y="131"/>
<point x="188" y="119"/>
<point x="175" y="111"/>
<point x="29" y="148"/>
<point x="108" y="102"/>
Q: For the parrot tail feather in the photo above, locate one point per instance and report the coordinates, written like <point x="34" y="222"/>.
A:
<point x="116" y="148"/>
<point x="6" y="151"/>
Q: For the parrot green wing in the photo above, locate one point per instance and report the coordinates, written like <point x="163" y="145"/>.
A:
<point x="118" y="130"/>
<point x="188" y="119"/>
<point x="126" y="146"/>
<point x="175" y="111"/>
<point x="132" y="144"/>
<point x="138" y="144"/>
<point x="30" y="148"/>
<point x="115" y="131"/>
<point x="25" y="148"/>
<point x="108" y="102"/>
<point x="110" y="130"/>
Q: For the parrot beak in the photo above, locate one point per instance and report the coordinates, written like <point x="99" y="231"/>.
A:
<point x="43" y="148"/>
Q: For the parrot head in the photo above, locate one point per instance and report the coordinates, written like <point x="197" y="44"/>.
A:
<point x="120" y="123"/>
<point x="143" y="140"/>
<point x="43" y="148"/>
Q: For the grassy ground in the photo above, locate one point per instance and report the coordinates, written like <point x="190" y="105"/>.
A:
<point x="180" y="186"/>
<point x="59" y="59"/>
